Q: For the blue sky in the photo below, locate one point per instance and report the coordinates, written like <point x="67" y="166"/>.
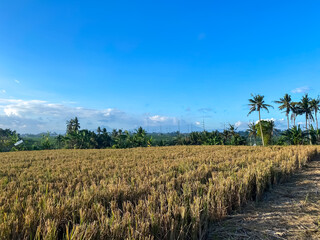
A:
<point x="159" y="64"/>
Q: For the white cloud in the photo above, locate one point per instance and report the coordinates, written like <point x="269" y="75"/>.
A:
<point x="241" y="124"/>
<point x="197" y="123"/>
<point x="162" y="120"/>
<point x="34" y="116"/>
<point x="17" y="81"/>
<point x="38" y="116"/>
<point x="11" y="112"/>
<point x="158" y="118"/>
<point x="3" y="91"/>
<point x="301" y="90"/>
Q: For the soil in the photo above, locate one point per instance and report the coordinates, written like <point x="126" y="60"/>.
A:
<point x="288" y="211"/>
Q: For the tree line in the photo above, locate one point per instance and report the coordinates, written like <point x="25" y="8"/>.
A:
<point x="307" y="107"/>
<point x="85" y="139"/>
<point x="261" y="132"/>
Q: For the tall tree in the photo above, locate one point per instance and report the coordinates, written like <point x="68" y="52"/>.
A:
<point x="73" y="125"/>
<point x="295" y="112"/>
<point x="70" y="126"/>
<point x="99" y="131"/>
<point x="285" y="105"/>
<point x="232" y="129"/>
<point x="315" y="107"/>
<point x="272" y="127"/>
<point x="76" y="124"/>
<point x="268" y="128"/>
<point x="256" y="103"/>
<point x="252" y="131"/>
<point x="305" y="108"/>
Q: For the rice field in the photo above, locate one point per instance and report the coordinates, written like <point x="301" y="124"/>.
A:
<point x="141" y="193"/>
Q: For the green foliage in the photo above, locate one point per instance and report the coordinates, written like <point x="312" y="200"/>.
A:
<point x="305" y="108"/>
<point x="227" y="137"/>
<point x="45" y="142"/>
<point x="295" y="136"/>
<point x="73" y="125"/>
<point x="257" y="104"/>
<point x="285" y="105"/>
<point x="252" y="132"/>
<point x="86" y="139"/>
<point x="314" y="104"/>
<point x="7" y="140"/>
<point x="314" y="135"/>
<point x="267" y="128"/>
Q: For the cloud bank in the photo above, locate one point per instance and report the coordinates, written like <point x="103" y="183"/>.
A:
<point x="35" y="116"/>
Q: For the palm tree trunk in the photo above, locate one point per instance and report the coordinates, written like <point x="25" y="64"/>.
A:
<point x="288" y="120"/>
<point x="261" y="129"/>
<point x="309" y="130"/>
<point x="315" y="114"/>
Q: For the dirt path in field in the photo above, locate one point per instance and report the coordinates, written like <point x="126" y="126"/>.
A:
<point x="289" y="211"/>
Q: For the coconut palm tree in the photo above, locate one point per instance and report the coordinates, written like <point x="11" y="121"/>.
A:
<point x="257" y="104"/>
<point x="232" y="129"/>
<point x="70" y="126"/>
<point x="285" y="105"/>
<point x="295" y="112"/>
<point x="73" y="125"/>
<point x="315" y="107"/>
<point x="305" y="108"/>
<point x="252" y="131"/>
<point x="76" y="124"/>
<point x="99" y="131"/>
<point x="272" y="127"/>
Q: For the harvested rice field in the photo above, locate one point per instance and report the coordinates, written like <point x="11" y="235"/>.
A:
<point x="288" y="211"/>
<point x="179" y="192"/>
